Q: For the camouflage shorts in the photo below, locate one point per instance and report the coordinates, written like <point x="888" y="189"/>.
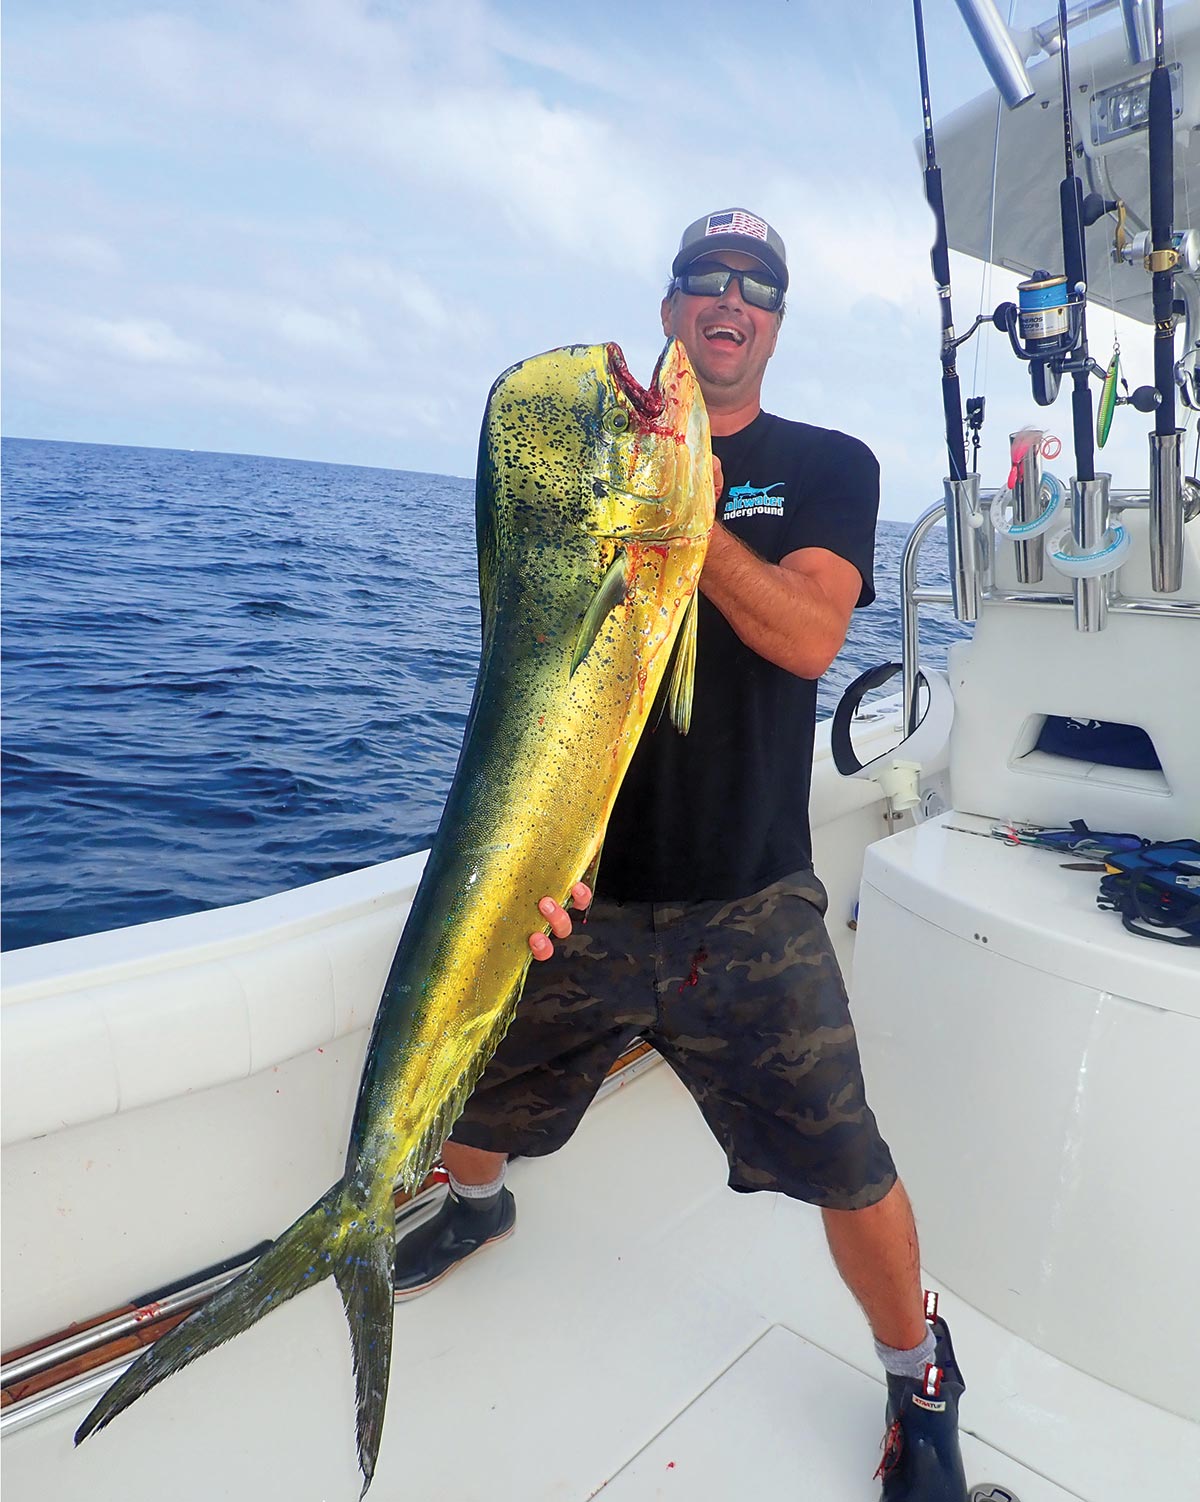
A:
<point x="743" y="999"/>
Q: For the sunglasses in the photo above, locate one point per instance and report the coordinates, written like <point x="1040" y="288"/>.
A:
<point x="711" y="279"/>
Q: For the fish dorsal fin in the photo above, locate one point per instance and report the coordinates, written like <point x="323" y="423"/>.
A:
<point x="613" y="588"/>
<point x="683" y="673"/>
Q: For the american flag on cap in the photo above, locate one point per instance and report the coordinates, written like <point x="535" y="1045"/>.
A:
<point x="737" y="222"/>
<point x="733" y="229"/>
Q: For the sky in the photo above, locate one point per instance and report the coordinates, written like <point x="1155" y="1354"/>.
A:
<point x="320" y="229"/>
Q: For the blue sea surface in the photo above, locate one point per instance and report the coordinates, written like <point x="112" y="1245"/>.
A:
<point x="226" y="675"/>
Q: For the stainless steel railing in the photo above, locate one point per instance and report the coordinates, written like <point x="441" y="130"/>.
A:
<point x="914" y="595"/>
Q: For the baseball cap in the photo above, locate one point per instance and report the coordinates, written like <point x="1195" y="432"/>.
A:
<point x="734" y="229"/>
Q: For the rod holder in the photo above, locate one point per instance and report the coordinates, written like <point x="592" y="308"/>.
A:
<point x="1166" y="512"/>
<point x="964" y="544"/>
<point x="1089" y="522"/>
<point x="1027" y="505"/>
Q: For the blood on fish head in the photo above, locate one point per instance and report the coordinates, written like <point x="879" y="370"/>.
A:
<point x="572" y="439"/>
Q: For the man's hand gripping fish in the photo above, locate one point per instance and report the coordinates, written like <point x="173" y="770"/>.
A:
<point x="594" y="501"/>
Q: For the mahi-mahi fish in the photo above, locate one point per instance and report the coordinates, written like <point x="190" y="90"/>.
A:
<point x="594" y="501"/>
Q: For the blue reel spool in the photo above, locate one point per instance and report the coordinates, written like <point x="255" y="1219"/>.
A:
<point x="1043" y="316"/>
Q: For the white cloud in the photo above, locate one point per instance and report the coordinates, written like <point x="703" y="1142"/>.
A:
<point x="145" y="341"/>
<point x="87" y="253"/>
<point x="390" y="284"/>
<point x="350" y="86"/>
<point x="288" y="403"/>
<point x="329" y="217"/>
<point x="307" y="330"/>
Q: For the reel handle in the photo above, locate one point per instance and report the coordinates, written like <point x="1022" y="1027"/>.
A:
<point x="1144" y="399"/>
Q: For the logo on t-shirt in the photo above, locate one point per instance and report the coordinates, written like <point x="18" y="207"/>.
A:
<point x="751" y="500"/>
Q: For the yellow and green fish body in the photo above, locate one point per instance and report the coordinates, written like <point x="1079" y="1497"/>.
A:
<point x="594" y="508"/>
<point x="594" y="505"/>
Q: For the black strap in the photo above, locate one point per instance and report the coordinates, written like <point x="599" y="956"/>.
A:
<point x="1152" y="933"/>
<point x="1143" y="913"/>
<point x="844" y="758"/>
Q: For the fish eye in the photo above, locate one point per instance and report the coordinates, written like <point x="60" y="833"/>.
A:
<point x="615" y="420"/>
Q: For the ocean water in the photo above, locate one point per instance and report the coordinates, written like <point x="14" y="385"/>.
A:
<point x="225" y="675"/>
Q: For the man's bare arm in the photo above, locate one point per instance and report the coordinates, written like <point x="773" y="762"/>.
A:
<point x="794" y="613"/>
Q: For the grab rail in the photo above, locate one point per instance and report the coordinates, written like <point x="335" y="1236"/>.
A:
<point x="914" y="595"/>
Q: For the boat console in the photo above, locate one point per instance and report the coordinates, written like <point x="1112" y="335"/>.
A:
<point x="1034" y="1062"/>
<point x="1035" y="1067"/>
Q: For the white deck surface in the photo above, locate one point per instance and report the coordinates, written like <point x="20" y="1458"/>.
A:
<point x="787" y="1418"/>
<point x="647" y="1333"/>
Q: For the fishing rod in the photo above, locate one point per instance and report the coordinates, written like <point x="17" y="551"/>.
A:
<point x="1048" y="329"/>
<point x="940" y="260"/>
<point x="1090" y="535"/>
<point x="1166" y="466"/>
<point x="962" y="490"/>
<point x="1070" y="197"/>
<point x="1163" y="256"/>
<point x="1048" y="326"/>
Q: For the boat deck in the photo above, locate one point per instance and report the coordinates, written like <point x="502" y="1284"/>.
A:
<point x="648" y="1333"/>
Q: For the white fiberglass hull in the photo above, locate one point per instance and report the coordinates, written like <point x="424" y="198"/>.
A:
<point x="647" y="1329"/>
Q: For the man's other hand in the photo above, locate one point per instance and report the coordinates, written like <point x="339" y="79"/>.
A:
<point x="559" y="919"/>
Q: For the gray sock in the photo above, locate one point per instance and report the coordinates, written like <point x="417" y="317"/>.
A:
<point x="479" y="1197"/>
<point x="908" y="1363"/>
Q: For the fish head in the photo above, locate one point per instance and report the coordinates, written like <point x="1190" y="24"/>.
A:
<point x="651" y="473"/>
<point x="572" y="442"/>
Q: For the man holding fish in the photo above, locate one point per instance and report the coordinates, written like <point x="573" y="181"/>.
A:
<point x="600" y="567"/>
<point x="708" y="938"/>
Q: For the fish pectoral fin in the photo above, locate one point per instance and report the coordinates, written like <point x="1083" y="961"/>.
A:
<point x="683" y="673"/>
<point x="612" y="591"/>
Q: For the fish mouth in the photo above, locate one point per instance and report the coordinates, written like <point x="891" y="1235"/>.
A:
<point x="647" y="402"/>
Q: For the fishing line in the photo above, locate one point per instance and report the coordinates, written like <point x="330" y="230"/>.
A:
<point x="985" y="281"/>
<point x="1112" y="285"/>
<point x="1113" y="373"/>
<point x="985" y="284"/>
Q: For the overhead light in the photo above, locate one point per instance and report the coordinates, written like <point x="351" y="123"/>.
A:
<point x="1125" y="107"/>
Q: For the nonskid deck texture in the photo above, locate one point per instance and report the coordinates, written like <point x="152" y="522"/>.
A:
<point x="647" y="1333"/>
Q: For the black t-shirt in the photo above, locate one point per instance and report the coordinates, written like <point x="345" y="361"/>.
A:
<point x="723" y="811"/>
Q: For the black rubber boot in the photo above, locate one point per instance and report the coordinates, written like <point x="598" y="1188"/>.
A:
<point x="922" y="1461"/>
<point x="458" y="1230"/>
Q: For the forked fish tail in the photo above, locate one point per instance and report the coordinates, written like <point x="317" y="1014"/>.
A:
<point x="349" y="1235"/>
